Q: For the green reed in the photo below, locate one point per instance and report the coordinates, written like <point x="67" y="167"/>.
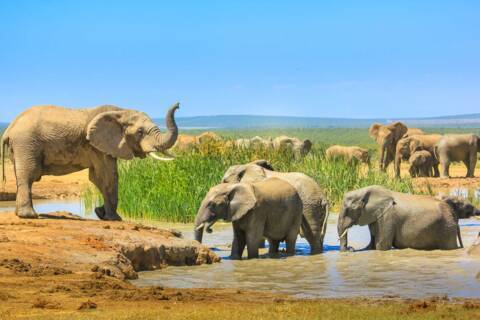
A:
<point x="172" y="191"/>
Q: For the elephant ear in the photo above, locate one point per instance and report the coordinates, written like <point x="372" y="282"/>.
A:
<point x="373" y="130"/>
<point x="264" y="164"/>
<point x="399" y="130"/>
<point x="106" y="133"/>
<point x="375" y="203"/>
<point x="241" y="200"/>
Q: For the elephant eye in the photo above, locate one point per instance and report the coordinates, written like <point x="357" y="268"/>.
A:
<point x="140" y="131"/>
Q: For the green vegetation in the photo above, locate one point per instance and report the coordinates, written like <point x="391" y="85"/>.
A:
<point x="172" y="191"/>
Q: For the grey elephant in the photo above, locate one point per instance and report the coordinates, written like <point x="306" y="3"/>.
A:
<point x="348" y="153"/>
<point x="315" y="204"/>
<point x="421" y="164"/>
<point x="299" y="148"/>
<point x="411" y="143"/>
<point x="269" y="208"/>
<point x="398" y="220"/>
<point x="458" y="147"/>
<point x="387" y="137"/>
<point x="50" y="140"/>
<point x="462" y="209"/>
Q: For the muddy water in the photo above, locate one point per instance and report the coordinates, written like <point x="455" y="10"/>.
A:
<point x="403" y="273"/>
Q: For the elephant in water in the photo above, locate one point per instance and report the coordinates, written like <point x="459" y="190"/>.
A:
<point x="348" y="153"/>
<point x="462" y="209"/>
<point x="458" y="147"/>
<point x="387" y="137"/>
<point x="299" y="148"/>
<point x="270" y="208"/>
<point x="315" y="205"/>
<point x="411" y="143"/>
<point x="421" y="164"/>
<point x="50" y="140"/>
<point x="398" y="220"/>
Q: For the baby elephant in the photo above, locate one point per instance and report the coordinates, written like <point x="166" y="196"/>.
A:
<point x="270" y="208"/>
<point x="421" y="164"/>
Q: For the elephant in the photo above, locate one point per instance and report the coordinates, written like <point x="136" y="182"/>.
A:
<point x="462" y="209"/>
<point x="315" y="204"/>
<point x="387" y="136"/>
<point x="51" y="140"/>
<point x="398" y="220"/>
<point x="414" y="131"/>
<point x="270" y="208"/>
<point x="348" y="153"/>
<point x="421" y="164"/>
<point x="255" y="142"/>
<point x="186" y="142"/>
<point x="458" y="147"/>
<point x="299" y="148"/>
<point x="411" y="143"/>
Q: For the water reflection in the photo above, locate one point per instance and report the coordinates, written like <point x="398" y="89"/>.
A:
<point x="75" y="206"/>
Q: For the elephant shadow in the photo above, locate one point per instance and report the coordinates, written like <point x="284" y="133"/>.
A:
<point x="61" y="215"/>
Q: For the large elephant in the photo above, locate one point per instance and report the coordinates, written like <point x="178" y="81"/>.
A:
<point x="458" y="147"/>
<point x="270" y="208"/>
<point x="50" y="140"/>
<point x="398" y="220"/>
<point x="298" y="147"/>
<point x="348" y="153"/>
<point x="186" y="142"/>
<point x="411" y="143"/>
<point x="315" y="205"/>
<point x="421" y="164"/>
<point x="387" y="137"/>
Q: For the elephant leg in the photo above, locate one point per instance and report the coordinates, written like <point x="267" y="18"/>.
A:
<point x="26" y="172"/>
<point x="446" y="166"/>
<point x="238" y="244"/>
<point x="105" y="179"/>
<point x="273" y="247"/>
<point x="472" y="163"/>
<point x="383" y="237"/>
<point x="436" y="172"/>
<point x="390" y="157"/>
<point x="253" y="238"/>
<point x="290" y="241"/>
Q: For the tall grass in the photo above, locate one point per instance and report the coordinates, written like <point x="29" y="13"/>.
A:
<point x="172" y="191"/>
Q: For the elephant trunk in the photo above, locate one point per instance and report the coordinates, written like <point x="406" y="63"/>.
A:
<point x="344" y="223"/>
<point x="398" y="161"/>
<point x="166" y="140"/>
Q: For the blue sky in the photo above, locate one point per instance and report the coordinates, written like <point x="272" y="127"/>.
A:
<point x="299" y="58"/>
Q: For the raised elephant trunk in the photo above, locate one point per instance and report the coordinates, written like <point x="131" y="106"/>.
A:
<point x="166" y="140"/>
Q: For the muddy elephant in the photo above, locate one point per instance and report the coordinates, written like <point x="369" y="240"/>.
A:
<point x="270" y="208"/>
<point x="186" y="142"/>
<point x="315" y="204"/>
<point x="462" y="209"/>
<point x="414" y="131"/>
<point x="348" y="153"/>
<point x="387" y="137"/>
<point x="50" y="140"/>
<point x="398" y="220"/>
<point x="411" y="143"/>
<point x="458" y="147"/>
<point x="421" y="164"/>
<point x="298" y="147"/>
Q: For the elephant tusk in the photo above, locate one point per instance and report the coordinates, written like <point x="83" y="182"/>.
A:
<point x="200" y="226"/>
<point x="154" y="156"/>
<point x="343" y="234"/>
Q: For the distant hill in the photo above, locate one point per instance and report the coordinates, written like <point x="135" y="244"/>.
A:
<point x="250" y="121"/>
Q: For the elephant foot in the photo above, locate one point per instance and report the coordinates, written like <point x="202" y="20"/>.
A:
<point x="27" y="213"/>
<point x="347" y="249"/>
<point x="314" y="251"/>
<point x="102" y="215"/>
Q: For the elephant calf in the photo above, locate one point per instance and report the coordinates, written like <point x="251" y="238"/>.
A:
<point x="398" y="220"/>
<point x="271" y="208"/>
<point x="421" y="164"/>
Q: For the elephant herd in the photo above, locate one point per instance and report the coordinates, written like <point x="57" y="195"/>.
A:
<point x="262" y="203"/>
<point x="424" y="152"/>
